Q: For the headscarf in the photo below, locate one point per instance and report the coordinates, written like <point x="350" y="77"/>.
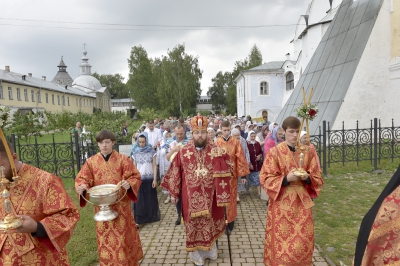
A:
<point x="271" y="126"/>
<point x="210" y="128"/>
<point x="274" y="135"/>
<point x="263" y="130"/>
<point x="166" y="141"/>
<point x="302" y="133"/>
<point x="234" y="131"/>
<point x="147" y="147"/>
<point x="248" y="136"/>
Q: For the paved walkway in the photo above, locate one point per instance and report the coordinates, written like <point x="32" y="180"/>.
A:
<point x="164" y="243"/>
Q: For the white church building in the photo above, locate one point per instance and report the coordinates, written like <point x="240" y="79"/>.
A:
<point x="264" y="90"/>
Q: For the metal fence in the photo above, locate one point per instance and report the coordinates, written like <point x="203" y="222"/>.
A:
<point x="333" y="146"/>
<point x="63" y="159"/>
<point x="355" y="145"/>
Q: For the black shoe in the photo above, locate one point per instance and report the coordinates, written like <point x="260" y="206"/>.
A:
<point x="178" y="221"/>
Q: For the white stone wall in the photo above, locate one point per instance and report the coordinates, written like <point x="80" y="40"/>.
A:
<point x="374" y="90"/>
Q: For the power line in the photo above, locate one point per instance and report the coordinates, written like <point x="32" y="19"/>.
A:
<point x="137" y="27"/>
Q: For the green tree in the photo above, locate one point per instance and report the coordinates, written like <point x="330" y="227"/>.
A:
<point x="179" y="83"/>
<point x="140" y="83"/>
<point x="218" y="91"/>
<point x="27" y="125"/>
<point x="254" y="59"/>
<point x="114" y="83"/>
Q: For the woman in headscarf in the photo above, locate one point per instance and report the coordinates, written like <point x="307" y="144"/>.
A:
<point x="146" y="209"/>
<point x="256" y="154"/>
<point x="304" y="141"/>
<point x="163" y="163"/>
<point x="262" y="136"/>
<point x="275" y="138"/>
<point x="211" y="134"/>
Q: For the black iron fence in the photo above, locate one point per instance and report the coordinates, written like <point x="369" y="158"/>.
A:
<point x="63" y="159"/>
<point x="355" y="145"/>
<point x="333" y="146"/>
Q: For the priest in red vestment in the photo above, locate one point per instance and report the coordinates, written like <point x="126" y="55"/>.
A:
<point x="200" y="174"/>
<point x="240" y="167"/>
<point x="49" y="216"/>
<point x="289" y="237"/>
<point x="118" y="240"/>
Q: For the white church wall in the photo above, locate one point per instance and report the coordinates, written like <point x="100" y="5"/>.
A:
<point x="318" y="11"/>
<point x="371" y="93"/>
<point x="272" y="102"/>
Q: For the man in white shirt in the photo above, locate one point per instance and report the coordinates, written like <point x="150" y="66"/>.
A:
<point x="153" y="133"/>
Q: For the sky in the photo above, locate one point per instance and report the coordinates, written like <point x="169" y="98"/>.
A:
<point x="35" y="34"/>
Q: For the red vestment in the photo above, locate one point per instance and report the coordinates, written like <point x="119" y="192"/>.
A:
<point x="384" y="238"/>
<point x="117" y="240"/>
<point x="42" y="196"/>
<point x="240" y="168"/>
<point x="289" y="237"/>
<point x="204" y="220"/>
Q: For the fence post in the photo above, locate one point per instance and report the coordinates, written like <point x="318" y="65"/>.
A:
<point x="13" y="142"/>
<point x="78" y="158"/>
<point x="324" y="147"/>
<point x="375" y="144"/>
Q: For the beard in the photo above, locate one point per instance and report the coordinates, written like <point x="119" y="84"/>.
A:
<point x="200" y="143"/>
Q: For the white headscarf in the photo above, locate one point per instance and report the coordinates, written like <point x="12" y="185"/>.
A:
<point x="271" y="126"/>
<point x="248" y="137"/>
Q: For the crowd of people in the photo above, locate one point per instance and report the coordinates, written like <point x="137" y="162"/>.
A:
<point x="201" y="163"/>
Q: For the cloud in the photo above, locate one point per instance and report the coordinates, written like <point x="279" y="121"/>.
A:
<point x="37" y="46"/>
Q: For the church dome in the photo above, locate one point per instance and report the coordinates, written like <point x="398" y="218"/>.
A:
<point x="87" y="82"/>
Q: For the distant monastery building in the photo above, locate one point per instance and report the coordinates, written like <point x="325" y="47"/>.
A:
<point x="31" y="94"/>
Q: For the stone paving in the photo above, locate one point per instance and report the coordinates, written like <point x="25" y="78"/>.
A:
<point x="164" y="243"/>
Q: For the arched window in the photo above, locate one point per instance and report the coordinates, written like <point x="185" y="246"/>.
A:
<point x="264" y="88"/>
<point x="289" y="81"/>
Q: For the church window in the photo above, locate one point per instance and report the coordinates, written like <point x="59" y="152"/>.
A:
<point x="52" y="99"/>
<point x="264" y="88"/>
<point x="33" y="95"/>
<point x="289" y="81"/>
<point x="26" y="95"/>
<point x="76" y="101"/>
<point x="1" y="92"/>
<point x="63" y="100"/>
<point x="39" y="97"/>
<point x="18" y="94"/>
<point x="68" y="100"/>
<point x="47" y="98"/>
<point x="58" y="99"/>
<point x="10" y="96"/>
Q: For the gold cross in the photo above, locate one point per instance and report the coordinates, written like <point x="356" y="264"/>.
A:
<point x="223" y="184"/>
<point x="188" y="154"/>
<point x="198" y="170"/>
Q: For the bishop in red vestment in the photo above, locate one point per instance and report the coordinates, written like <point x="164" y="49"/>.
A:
<point x="200" y="173"/>
<point x="289" y="237"/>
<point x="239" y="164"/>
<point x="117" y="240"/>
<point x="49" y="216"/>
